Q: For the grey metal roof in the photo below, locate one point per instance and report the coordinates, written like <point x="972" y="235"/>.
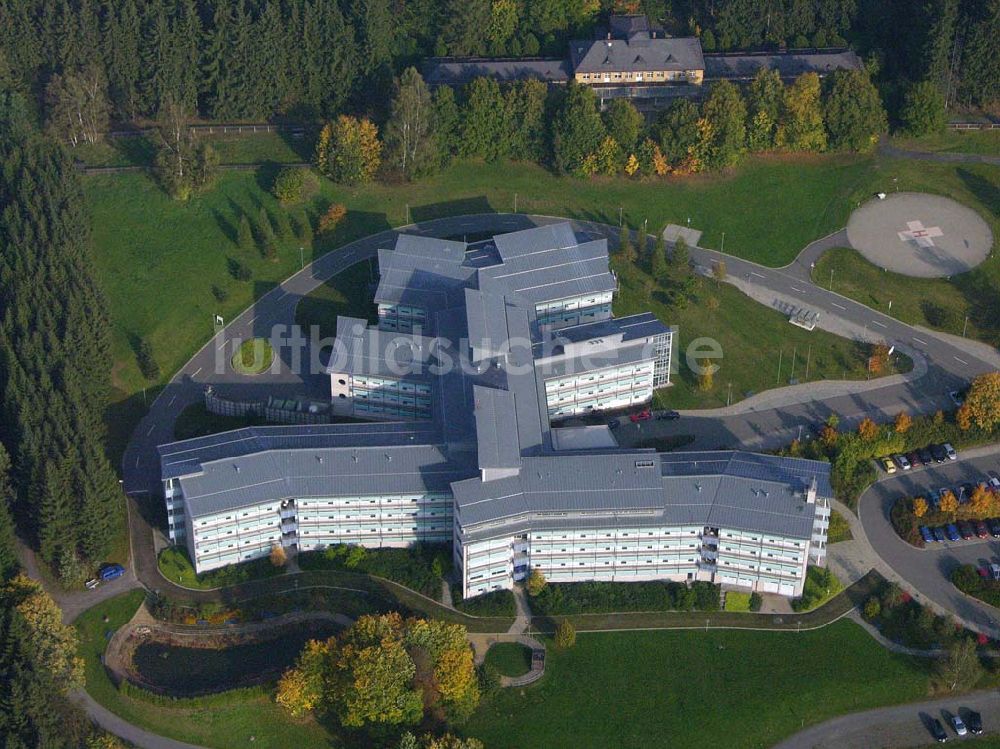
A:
<point x="788" y="64"/>
<point x="422" y="282"/>
<point x="487" y="324"/>
<point x="496" y="428"/>
<point x="633" y="327"/>
<point x="186" y="456"/>
<point x="430" y="248"/>
<point x="534" y="240"/>
<point x="637" y="55"/>
<point x="272" y="475"/>
<point x="458" y="71"/>
<point x="744" y="491"/>
<point x="361" y="349"/>
<point x="545" y="275"/>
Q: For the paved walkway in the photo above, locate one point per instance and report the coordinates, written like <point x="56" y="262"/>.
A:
<point x="898" y="726"/>
<point x="122" y="728"/>
<point x="943" y="156"/>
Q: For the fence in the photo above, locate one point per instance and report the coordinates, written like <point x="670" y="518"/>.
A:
<point x="275" y="410"/>
<point x="222" y="128"/>
<point x="974" y="125"/>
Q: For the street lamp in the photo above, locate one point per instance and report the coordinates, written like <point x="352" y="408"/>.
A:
<point x="831" y="279"/>
<point x="302" y="257"/>
<point x="729" y="397"/>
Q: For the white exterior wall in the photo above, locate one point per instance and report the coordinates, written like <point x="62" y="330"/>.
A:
<point x="401" y="317"/>
<point x="379" y="397"/>
<point x="821" y="527"/>
<point x="600" y="390"/>
<point x="486" y="565"/>
<point x="564" y="313"/>
<point x="250" y="532"/>
<point x="760" y="561"/>
<point x="618" y="554"/>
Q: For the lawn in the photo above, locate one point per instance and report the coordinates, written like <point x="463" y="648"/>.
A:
<point x="256" y="148"/>
<point x="736" y="601"/>
<point x="985" y="142"/>
<point x="839" y="529"/>
<point x="253" y="357"/>
<point x="223" y="721"/>
<point x="176" y="567"/>
<point x="635" y="689"/>
<point x="754" y="341"/>
<point x="166" y="265"/>
<point x="509" y="658"/>
<point x="940" y="304"/>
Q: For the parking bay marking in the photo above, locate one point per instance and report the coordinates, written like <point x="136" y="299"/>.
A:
<point x="839" y="306"/>
<point x="922" y="343"/>
<point x="963" y="361"/>
<point x="876" y="322"/>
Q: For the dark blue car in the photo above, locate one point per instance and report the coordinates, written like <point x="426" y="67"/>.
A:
<point x="952" y="530"/>
<point x="112" y="571"/>
<point x="938" y="532"/>
<point x="925" y="533"/>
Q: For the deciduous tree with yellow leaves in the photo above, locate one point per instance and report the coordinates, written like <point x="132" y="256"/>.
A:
<point x="982" y="403"/>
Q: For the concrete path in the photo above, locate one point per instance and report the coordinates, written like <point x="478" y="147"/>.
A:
<point x="122" y="728"/>
<point x="943" y="156"/>
<point x="523" y="618"/>
<point x="898" y="726"/>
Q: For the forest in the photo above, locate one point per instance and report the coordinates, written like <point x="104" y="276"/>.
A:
<point x="228" y="60"/>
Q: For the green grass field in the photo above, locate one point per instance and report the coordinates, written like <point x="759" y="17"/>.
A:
<point x="253" y="357"/>
<point x="640" y="689"/>
<point x="509" y="658"/>
<point x="839" y="529"/>
<point x="221" y="721"/>
<point x="986" y="142"/>
<point x="232" y="149"/>
<point x="736" y="601"/>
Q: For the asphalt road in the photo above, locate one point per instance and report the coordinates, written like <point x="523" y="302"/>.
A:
<point x="927" y="570"/>
<point x="899" y="726"/>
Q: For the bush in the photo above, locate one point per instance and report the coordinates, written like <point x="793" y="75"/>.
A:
<point x="565" y="635"/>
<point x="602" y="597"/>
<point x="966" y="578"/>
<point x="332" y="218"/>
<point x="496" y="603"/>
<point x="756" y="601"/>
<point x="412" y="567"/>
<point x="289" y="184"/>
<point x="872" y="608"/>
<point x="240" y="270"/>
<point x="489" y="679"/>
<point x="144" y="358"/>
<point x="219" y="293"/>
<point x="820" y="586"/>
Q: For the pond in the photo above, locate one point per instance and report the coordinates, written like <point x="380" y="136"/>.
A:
<point x="185" y="671"/>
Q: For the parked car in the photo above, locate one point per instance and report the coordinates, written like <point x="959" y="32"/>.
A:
<point x="613" y="424"/>
<point x="668" y="415"/>
<point x="950" y="451"/>
<point x="951" y="530"/>
<point x="995" y="571"/>
<point x="959" y="725"/>
<point x="974" y="721"/>
<point x="940" y="495"/>
<point x="92" y="583"/>
<point x="939" y="453"/>
<point x="643" y="415"/>
<point x="966" y="490"/>
<point x="888" y="465"/>
<point x="926" y="457"/>
<point x="937" y="731"/>
<point x="902" y="462"/>
<point x="994" y="483"/>
<point x="994" y="525"/>
<point x="957" y="397"/>
<point x="111" y="572"/>
<point x="966" y="530"/>
<point x="938" y="532"/>
<point x="925" y="533"/>
<point x="982" y="530"/>
<point x="914" y="457"/>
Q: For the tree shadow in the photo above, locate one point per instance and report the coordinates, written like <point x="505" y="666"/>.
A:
<point x="983" y="189"/>
<point x="458" y="207"/>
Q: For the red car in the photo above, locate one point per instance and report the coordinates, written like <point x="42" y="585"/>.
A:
<point x="982" y="530"/>
<point x="643" y="415"/>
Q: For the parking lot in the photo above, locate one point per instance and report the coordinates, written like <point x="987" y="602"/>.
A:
<point x="928" y="570"/>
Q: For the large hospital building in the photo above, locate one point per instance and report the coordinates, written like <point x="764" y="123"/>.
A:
<point x="480" y="353"/>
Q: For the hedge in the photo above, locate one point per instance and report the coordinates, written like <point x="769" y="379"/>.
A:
<point x="603" y="598"/>
<point x="419" y="567"/>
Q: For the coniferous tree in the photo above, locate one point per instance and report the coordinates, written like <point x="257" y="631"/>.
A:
<point x="577" y="130"/>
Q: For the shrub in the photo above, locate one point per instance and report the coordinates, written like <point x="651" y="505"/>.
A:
<point x="147" y="363"/>
<point x="411" y="567"/>
<point x="756" y="601"/>
<point x="489" y="679"/>
<point x="289" y="184"/>
<point x="603" y="597"/>
<point x="219" y="293"/>
<point x="333" y="216"/>
<point x="535" y="584"/>
<point x="819" y="587"/>
<point x="565" y="635"/>
<point x="872" y="608"/>
<point x="239" y="270"/>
